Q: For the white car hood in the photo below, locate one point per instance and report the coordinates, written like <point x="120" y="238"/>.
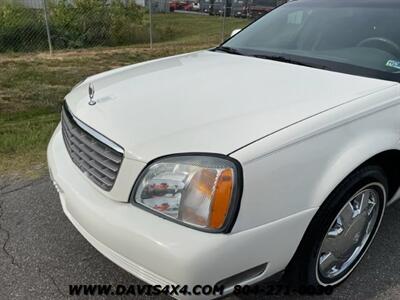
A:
<point x="208" y="101"/>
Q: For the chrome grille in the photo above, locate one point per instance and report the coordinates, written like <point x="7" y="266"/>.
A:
<point x="96" y="156"/>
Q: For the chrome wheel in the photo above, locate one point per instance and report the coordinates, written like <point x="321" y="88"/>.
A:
<point x="350" y="234"/>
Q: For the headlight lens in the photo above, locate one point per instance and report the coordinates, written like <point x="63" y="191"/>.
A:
<point x="200" y="191"/>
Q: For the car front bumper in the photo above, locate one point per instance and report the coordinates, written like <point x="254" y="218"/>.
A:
<point x="161" y="252"/>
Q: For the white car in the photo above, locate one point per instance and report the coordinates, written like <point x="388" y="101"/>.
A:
<point x="284" y="160"/>
<point x="196" y="6"/>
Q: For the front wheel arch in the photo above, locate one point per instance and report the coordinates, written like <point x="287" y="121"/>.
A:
<point x="353" y="159"/>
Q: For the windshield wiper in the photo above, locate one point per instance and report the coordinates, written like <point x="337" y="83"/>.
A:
<point x="271" y="57"/>
<point x="287" y="60"/>
<point x="229" y="50"/>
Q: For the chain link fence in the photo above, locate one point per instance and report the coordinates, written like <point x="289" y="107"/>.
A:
<point x="37" y="25"/>
<point x="44" y="25"/>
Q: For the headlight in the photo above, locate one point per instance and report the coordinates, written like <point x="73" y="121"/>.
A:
<point x="197" y="190"/>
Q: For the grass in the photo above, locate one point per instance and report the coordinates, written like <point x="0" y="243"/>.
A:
<point x="32" y="85"/>
<point x="197" y="30"/>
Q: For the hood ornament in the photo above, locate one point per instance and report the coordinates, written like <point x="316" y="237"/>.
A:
<point x="91" y="94"/>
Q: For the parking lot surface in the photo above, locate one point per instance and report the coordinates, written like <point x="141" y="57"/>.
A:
<point x="41" y="253"/>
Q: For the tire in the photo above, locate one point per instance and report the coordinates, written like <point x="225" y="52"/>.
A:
<point x="318" y="259"/>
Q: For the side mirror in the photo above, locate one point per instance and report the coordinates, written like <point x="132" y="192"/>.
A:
<point x="236" y="31"/>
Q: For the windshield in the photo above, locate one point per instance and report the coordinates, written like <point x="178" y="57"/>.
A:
<point x="360" y="37"/>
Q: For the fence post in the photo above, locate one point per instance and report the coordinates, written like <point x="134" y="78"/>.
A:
<point x="46" y="19"/>
<point x="223" y="23"/>
<point x="151" y="26"/>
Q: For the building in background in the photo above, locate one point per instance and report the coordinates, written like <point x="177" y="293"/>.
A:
<point x="38" y="4"/>
<point x="157" y="6"/>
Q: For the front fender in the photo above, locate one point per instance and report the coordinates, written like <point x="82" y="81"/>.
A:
<point x="296" y="169"/>
<point x="354" y="154"/>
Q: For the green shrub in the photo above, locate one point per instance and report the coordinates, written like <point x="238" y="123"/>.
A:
<point x="87" y="23"/>
<point x="21" y="29"/>
<point x="77" y="24"/>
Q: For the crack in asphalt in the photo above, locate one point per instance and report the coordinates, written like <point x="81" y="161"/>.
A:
<point x="8" y="254"/>
<point x="40" y="271"/>
<point x="19" y="188"/>
<point x="3" y="187"/>
<point x="88" y="258"/>
<point x="8" y="235"/>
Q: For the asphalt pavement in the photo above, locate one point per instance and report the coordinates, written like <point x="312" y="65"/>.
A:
<point x="41" y="253"/>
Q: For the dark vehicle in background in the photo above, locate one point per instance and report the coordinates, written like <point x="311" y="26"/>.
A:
<point x="259" y="8"/>
<point x="205" y="6"/>
<point x="239" y="8"/>
<point x="217" y="8"/>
